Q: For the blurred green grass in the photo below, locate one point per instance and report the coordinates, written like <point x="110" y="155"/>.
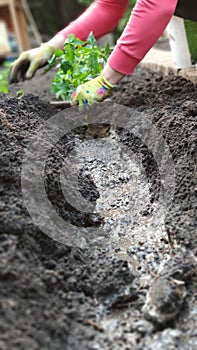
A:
<point x="191" y="32"/>
<point x="4" y="71"/>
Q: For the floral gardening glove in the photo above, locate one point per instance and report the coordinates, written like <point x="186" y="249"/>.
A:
<point x="28" y="63"/>
<point x="95" y="90"/>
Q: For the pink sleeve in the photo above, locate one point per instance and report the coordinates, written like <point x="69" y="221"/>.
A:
<point x="101" y="17"/>
<point x="146" y="24"/>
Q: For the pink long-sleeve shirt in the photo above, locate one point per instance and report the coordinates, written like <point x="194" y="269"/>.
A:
<point x="146" y="24"/>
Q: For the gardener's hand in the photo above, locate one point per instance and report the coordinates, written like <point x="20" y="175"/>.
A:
<point x="28" y="63"/>
<point x="95" y="90"/>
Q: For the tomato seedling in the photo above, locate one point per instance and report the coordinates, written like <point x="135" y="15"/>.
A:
<point x="79" y="62"/>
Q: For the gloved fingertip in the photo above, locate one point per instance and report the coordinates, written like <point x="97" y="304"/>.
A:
<point x="31" y="71"/>
<point x="29" y="75"/>
<point x="74" y="103"/>
<point x="12" y="76"/>
<point x="11" y="80"/>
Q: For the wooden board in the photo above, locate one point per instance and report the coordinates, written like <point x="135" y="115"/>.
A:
<point x="11" y="11"/>
<point x="4" y="44"/>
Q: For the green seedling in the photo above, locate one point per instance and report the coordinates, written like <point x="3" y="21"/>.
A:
<point x="20" y="93"/>
<point x="79" y="62"/>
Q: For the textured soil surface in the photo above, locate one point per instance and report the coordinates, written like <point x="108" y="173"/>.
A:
<point x="141" y="294"/>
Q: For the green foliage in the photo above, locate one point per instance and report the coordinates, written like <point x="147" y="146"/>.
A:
<point x="85" y="2"/>
<point x="79" y="62"/>
<point x="191" y="31"/>
<point x="4" y="79"/>
<point x="123" y="22"/>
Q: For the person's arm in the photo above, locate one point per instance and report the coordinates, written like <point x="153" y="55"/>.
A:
<point x="148" y="20"/>
<point x="101" y="17"/>
<point x="146" y="24"/>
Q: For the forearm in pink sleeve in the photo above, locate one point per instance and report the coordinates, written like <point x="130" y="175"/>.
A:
<point x="101" y="17"/>
<point x="146" y="24"/>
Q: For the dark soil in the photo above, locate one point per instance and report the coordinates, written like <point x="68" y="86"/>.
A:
<point x="57" y="297"/>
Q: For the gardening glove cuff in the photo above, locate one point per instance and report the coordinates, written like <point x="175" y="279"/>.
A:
<point x="95" y="90"/>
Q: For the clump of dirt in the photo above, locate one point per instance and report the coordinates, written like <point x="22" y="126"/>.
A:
<point x="59" y="297"/>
